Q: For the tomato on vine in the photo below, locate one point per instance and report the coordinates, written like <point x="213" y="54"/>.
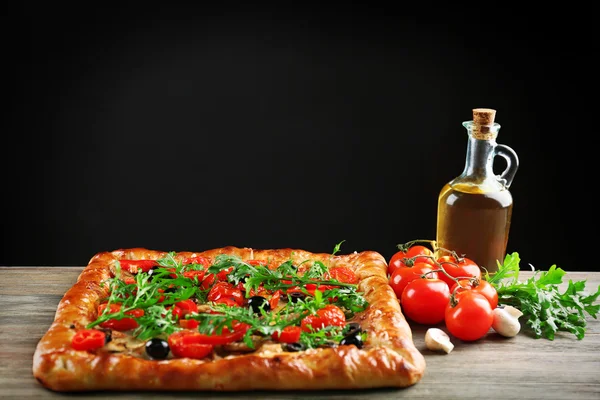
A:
<point x="458" y="268"/>
<point x="468" y="315"/>
<point x="404" y="256"/>
<point x="402" y="276"/>
<point x="424" y="300"/>
<point x="480" y="286"/>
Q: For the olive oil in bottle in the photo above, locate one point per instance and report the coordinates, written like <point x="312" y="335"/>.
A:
<point x="475" y="208"/>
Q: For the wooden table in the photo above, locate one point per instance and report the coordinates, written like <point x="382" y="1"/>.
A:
<point x="492" y="368"/>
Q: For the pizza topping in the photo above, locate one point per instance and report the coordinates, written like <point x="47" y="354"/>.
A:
<point x="157" y="349"/>
<point x="134" y="266"/>
<point x="225" y="291"/>
<point x="294" y="347"/>
<point x="353" y="338"/>
<point x="289" y="334"/>
<point x="88" y="339"/>
<point x="259" y="304"/>
<point x="119" y="322"/>
<point x="295" y="296"/>
<point x="195" y="306"/>
<point x="189" y="344"/>
<point x="326" y="316"/>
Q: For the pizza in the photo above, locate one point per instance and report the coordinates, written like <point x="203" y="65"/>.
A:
<point x="229" y="319"/>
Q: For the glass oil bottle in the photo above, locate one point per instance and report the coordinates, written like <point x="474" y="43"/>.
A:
<point x="475" y="208"/>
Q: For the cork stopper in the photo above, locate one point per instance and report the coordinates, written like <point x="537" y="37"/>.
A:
<point x="483" y="123"/>
<point x="484" y="116"/>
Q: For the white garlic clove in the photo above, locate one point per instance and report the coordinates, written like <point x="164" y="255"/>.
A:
<point x="437" y="339"/>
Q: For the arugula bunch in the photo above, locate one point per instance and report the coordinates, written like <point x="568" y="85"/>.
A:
<point x="545" y="308"/>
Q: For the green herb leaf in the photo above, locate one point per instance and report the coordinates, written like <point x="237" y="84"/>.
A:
<point x="545" y="309"/>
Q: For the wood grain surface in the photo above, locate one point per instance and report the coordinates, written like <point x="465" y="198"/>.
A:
<point x="491" y="368"/>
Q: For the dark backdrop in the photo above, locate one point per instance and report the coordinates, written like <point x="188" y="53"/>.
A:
<point x="193" y="128"/>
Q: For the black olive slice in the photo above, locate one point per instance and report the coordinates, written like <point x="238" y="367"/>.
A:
<point x="352" y="327"/>
<point x="294" y="346"/>
<point x="157" y="349"/>
<point x="257" y="303"/>
<point x="352" y="339"/>
<point x="295" y="296"/>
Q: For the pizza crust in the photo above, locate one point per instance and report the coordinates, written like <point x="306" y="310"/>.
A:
<point x="388" y="359"/>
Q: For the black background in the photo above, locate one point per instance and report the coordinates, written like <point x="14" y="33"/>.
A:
<point x="179" y="128"/>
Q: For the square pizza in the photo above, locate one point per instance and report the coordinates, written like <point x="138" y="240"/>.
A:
<point x="229" y="319"/>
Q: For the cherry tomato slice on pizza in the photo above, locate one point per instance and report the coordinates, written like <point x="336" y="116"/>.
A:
<point x="326" y="316"/>
<point x="195" y="274"/>
<point x="187" y="306"/>
<point x="123" y="324"/>
<point x="88" y="339"/>
<point x="274" y="300"/>
<point x="134" y="266"/>
<point x="222" y="275"/>
<point x="196" y="260"/>
<point x="257" y="262"/>
<point x="188" y="323"/>
<point x="208" y="281"/>
<point x="226" y="336"/>
<point x="226" y="290"/>
<point x="289" y="334"/>
<point x="188" y="344"/>
<point x="341" y="274"/>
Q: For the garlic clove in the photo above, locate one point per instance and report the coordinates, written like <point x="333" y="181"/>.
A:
<point x="437" y="339"/>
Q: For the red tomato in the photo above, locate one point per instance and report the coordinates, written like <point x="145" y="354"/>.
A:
<point x="289" y="334"/>
<point x="402" y="276"/>
<point x="227" y="301"/>
<point x="88" y="339"/>
<point x="222" y="275"/>
<point x="425" y="300"/>
<point x="188" y="323"/>
<point x="471" y="317"/>
<point x="188" y="344"/>
<point x="128" y="280"/>
<point x="480" y="286"/>
<point x="274" y="300"/>
<point x="225" y="289"/>
<point x="186" y="307"/>
<point x="311" y="287"/>
<point x="342" y="274"/>
<point x="466" y="268"/>
<point x="195" y="274"/>
<point x="123" y="324"/>
<point x="326" y="316"/>
<point x="208" y="281"/>
<point x="196" y="260"/>
<point x="398" y="259"/>
<point x="134" y="266"/>
<point x="226" y="336"/>
<point x="257" y="262"/>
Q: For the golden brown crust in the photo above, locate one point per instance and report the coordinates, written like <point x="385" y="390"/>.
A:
<point x="389" y="358"/>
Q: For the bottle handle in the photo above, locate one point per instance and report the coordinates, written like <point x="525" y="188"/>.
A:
<point x="512" y="164"/>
